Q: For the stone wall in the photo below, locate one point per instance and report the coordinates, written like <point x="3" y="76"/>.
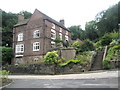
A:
<point x="45" y="69"/>
<point x="68" y="54"/>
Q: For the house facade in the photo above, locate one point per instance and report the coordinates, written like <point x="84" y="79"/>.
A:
<point x="34" y="37"/>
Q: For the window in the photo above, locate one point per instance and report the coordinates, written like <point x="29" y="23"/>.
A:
<point x="52" y="44"/>
<point x="60" y="36"/>
<point x="66" y="32"/>
<point x="20" y="48"/>
<point x="36" y="34"/>
<point x="66" y="37"/>
<point x="36" y="46"/>
<point x="53" y="34"/>
<point x="53" y="25"/>
<point x="60" y="29"/>
<point x="20" y="37"/>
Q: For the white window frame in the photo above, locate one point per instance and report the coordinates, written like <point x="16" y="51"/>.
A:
<point x="53" y="25"/>
<point x="53" y="34"/>
<point x="35" y="33"/>
<point x="36" y="46"/>
<point x="20" y="37"/>
<point x="60" y="29"/>
<point x="66" y="37"/>
<point x="19" y="48"/>
<point x="52" y="44"/>
<point x="60" y="34"/>
<point x="66" y="32"/>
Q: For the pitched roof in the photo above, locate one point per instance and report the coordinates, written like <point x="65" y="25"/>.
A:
<point x="25" y="21"/>
<point x="52" y="20"/>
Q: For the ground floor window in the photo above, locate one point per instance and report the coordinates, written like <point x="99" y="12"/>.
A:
<point x="20" y="48"/>
<point x="52" y="44"/>
<point x="36" y="46"/>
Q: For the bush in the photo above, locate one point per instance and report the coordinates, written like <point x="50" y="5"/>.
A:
<point x="114" y="42"/>
<point x="107" y="39"/>
<point x="4" y="73"/>
<point x="86" y="45"/>
<point x="7" y="55"/>
<point x="77" y="45"/>
<point x="112" y="52"/>
<point x="51" y="57"/>
<point x="72" y="62"/>
<point x="106" y="64"/>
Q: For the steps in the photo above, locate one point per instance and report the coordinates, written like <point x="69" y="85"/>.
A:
<point x="97" y="61"/>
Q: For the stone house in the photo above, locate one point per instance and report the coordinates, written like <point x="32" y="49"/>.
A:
<point x="34" y="37"/>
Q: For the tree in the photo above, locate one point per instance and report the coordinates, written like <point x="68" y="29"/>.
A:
<point x="77" y="32"/>
<point x="8" y="21"/>
<point x="91" y="30"/>
<point x="107" y="20"/>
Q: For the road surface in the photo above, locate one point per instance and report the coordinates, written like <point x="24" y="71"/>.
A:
<point x="108" y="79"/>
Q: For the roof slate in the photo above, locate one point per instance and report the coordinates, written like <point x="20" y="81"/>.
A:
<point x="25" y="21"/>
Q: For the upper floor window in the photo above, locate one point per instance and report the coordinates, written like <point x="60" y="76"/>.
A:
<point x="60" y="29"/>
<point x="20" y="37"/>
<point x="36" y="34"/>
<point x="66" y="32"/>
<point x="53" y="34"/>
<point x="20" y="48"/>
<point x="36" y="46"/>
<point x="60" y="34"/>
<point x="53" y="25"/>
<point x="66" y="37"/>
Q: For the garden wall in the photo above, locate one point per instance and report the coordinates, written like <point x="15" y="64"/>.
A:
<point x="45" y="69"/>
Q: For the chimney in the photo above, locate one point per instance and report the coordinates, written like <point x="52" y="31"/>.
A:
<point x="62" y="22"/>
<point x="20" y="17"/>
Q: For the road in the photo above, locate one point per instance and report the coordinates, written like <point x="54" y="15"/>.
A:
<point x="108" y="79"/>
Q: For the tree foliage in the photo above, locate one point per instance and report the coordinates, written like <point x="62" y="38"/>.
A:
<point x="77" y="32"/>
<point x="7" y="54"/>
<point x="105" y="22"/>
<point x="8" y="21"/>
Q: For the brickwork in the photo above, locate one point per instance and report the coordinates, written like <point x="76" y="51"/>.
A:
<point x="43" y="23"/>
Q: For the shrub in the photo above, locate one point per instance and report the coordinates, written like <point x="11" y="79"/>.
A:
<point x="114" y="42"/>
<point x="58" y="42"/>
<point x="107" y="39"/>
<point x="106" y="64"/>
<point x="77" y="45"/>
<point x="71" y="62"/>
<point x="112" y="52"/>
<point x="51" y="57"/>
<point x="87" y="46"/>
<point x="4" y="73"/>
<point x="7" y="54"/>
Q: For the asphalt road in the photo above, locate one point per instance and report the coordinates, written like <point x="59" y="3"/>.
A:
<point x="91" y="80"/>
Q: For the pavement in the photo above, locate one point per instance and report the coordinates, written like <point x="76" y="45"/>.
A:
<point x="106" y="79"/>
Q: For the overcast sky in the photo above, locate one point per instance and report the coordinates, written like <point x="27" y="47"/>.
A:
<point x="74" y="12"/>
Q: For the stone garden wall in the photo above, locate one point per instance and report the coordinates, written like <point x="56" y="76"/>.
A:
<point x="45" y="69"/>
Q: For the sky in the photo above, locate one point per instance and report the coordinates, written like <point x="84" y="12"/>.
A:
<point x="74" y="12"/>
